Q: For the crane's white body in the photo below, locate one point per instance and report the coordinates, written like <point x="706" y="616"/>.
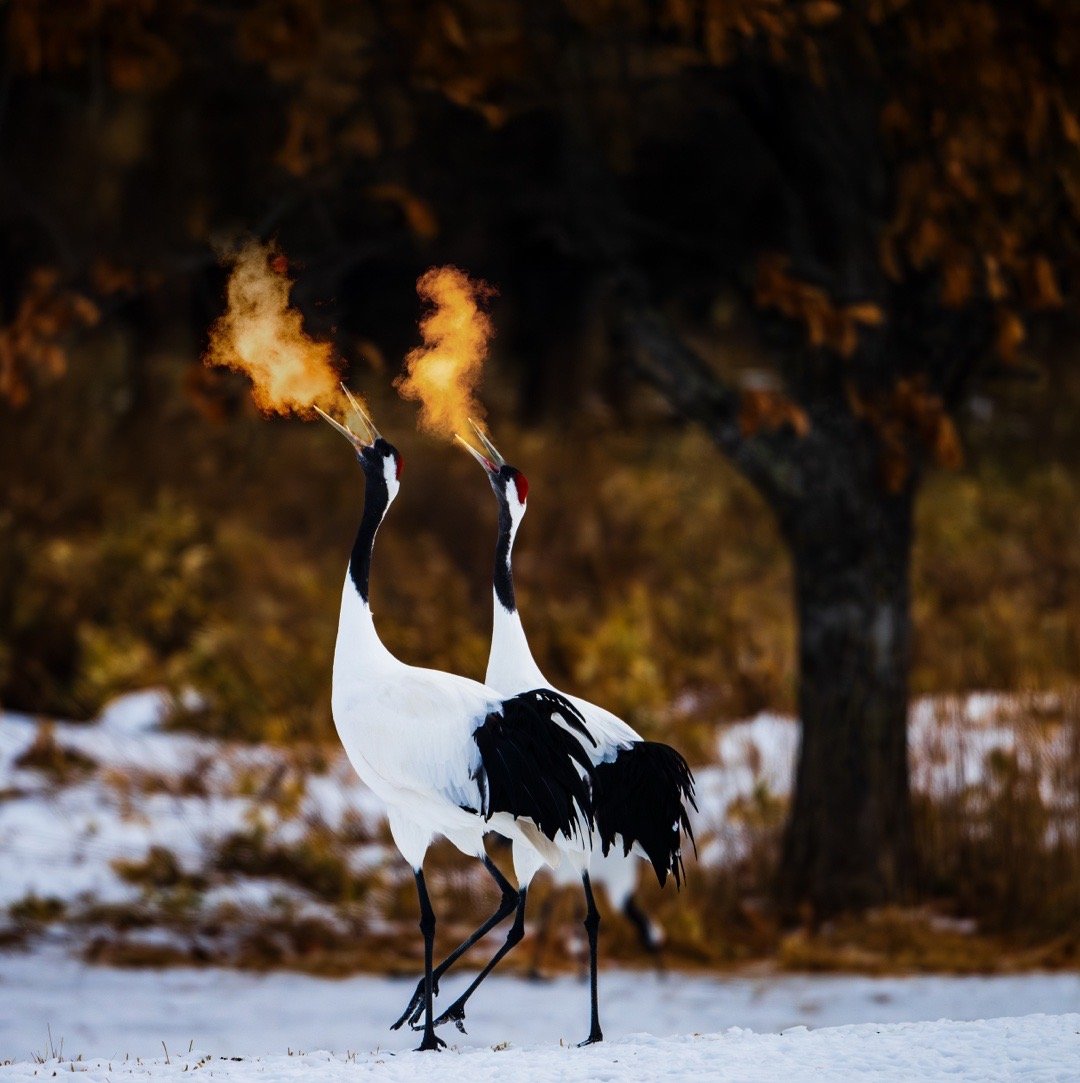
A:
<point x="408" y="732"/>
<point x="512" y="669"/>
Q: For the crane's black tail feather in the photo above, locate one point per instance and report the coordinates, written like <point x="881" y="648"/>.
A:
<point x="643" y="796"/>
<point x="531" y="765"/>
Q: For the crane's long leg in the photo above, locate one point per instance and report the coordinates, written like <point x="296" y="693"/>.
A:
<point x="427" y="926"/>
<point x="592" y="927"/>
<point x="506" y="908"/>
<point x="543" y="932"/>
<point x="456" y="1012"/>
<point x="646" y="935"/>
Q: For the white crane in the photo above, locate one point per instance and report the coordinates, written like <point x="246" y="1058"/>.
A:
<point x="448" y="755"/>
<point x="641" y="788"/>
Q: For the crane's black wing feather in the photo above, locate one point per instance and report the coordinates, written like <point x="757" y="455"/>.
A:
<point x="531" y="765"/>
<point x="642" y="796"/>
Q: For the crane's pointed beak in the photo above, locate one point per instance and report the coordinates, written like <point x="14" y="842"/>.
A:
<point x="493" y="461"/>
<point x="483" y="460"/>
<point x="371" y="433"/>
<point x="362" y="414"/>
<point x="344" y="430"/>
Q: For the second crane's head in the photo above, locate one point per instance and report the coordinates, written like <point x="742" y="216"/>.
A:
<point x="379" y="459"/>
<point x="509" y="484"/>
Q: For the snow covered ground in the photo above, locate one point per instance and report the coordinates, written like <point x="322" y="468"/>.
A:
<point x="99" y="1012"/>
<point x="1034" y="1048"/>
<point x="147" y="787"/>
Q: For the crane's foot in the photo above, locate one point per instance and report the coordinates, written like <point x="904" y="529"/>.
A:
<point x="432" y="1043"/>
<point x="596" y="1036"/>
<point x="454" y="1014"/>
<point x="416" y="1006"/>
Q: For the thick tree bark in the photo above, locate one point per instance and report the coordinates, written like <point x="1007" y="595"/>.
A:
<point x="849" y="842"/>
<point x="849" y="839"/>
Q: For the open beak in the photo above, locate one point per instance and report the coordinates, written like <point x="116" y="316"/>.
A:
<point x="493" y="461"/>
<point x="363" y="414"/>
<point x="371" y="433"/>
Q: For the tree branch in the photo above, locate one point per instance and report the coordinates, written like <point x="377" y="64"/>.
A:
<point x="766" y="459"/>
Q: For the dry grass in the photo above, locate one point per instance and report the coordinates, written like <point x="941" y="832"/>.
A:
<point x="158" y="870"/>
<point x="1005" y="848"/>
<point x="317" y="863"/>
<point x="904" y="941"/>
<point x="59" y="762"/>
<point x="35" y="909"/>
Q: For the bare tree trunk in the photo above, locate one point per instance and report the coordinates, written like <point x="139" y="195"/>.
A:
<point x="849" y="842"/>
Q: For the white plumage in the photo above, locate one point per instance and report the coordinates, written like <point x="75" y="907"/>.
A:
<point x="409" y="733"/>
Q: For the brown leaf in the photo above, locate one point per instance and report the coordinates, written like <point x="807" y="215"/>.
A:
<point x="1047" y="294"/>
<point x="760" y="409"/>
<point x="362" y="137"/>
<point x="821" y="12"/>
<point x="995" y="281"/>
<point x="419" y="214"/>
<point x="32" y="345"/>
<point x="451" y="27"/>
<point x="110" y="278"/>
<point x="957" y="284"/>
<point x="866" y="312"/>
<point x="895" y="118"/>
<point x="144" y="63"/>
<point x="927" y="243"/>
<point x="889" y="257"/>
<point x="1070" y="126"/>
<point x="894" y="466"/>
<point x="1010" y="334"/>
<point x="827" y="325"/>
<point x="948" y="451"/>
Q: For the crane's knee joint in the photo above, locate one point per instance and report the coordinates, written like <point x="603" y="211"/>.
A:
<point x="427" y="924"/>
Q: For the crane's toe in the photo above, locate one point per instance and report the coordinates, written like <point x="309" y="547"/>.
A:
<point x="432" y="1043"/>
<point x="416" y="1006"/>
<point x="454" y="1014"/>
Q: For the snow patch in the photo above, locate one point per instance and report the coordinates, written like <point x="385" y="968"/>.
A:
<point x="1037" y="1048"/>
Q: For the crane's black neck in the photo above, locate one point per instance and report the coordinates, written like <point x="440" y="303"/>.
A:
<point x="504" y="576"/>
<point x="376" y="500"/>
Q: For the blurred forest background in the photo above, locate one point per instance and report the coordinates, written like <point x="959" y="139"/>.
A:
<point x="783" y="285"/>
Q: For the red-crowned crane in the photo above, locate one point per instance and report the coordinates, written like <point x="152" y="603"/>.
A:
<point x="448" y="755"/>
<point x="642" y="789"/>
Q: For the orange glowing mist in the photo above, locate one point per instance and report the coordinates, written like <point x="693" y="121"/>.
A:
<point x="262" y="336"/>
<point x="443" y="374"/>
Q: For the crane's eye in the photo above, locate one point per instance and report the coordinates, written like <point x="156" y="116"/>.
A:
<point x="522" y="483"/>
